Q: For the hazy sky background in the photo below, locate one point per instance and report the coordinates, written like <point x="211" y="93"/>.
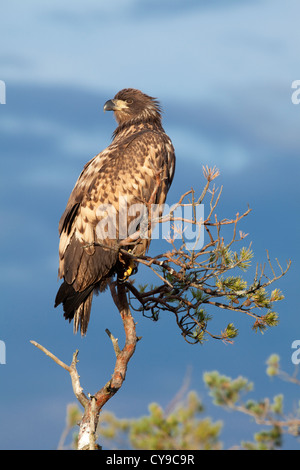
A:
<point x="223" y="72"/>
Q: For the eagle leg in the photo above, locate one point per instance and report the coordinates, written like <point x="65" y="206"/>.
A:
<point x="131" y="269"/>
<point x="128" y="268"/>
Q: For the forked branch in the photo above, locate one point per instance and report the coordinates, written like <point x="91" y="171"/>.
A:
<point x="93" y="404"/>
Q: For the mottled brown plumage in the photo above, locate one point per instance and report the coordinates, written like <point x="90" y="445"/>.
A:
<point x="128" y="169"/>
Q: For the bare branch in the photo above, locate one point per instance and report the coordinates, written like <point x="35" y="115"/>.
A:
<point x="49" y="354"/>
<point x="93" y="404"/>
<point x="114" y="342"/>
<point x="91" y="416"/>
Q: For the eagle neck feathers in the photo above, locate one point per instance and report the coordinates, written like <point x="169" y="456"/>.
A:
<point x="136" y="125"/>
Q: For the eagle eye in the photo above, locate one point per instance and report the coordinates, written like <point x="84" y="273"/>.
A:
<point x="129" y="101"/>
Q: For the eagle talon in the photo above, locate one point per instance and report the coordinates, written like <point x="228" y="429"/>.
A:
<point x="132" y="269"/>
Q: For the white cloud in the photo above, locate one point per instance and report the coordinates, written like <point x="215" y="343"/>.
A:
<point x="196" y="55"/>
<point x="240" y="59"/>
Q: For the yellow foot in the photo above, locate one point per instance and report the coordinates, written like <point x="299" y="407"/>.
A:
<point x="131" y="269"/>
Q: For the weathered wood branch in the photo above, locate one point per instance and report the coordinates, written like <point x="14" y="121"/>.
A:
<point x="93" y="404"/>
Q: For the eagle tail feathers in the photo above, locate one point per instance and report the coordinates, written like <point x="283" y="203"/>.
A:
<point x="77" y="305"/>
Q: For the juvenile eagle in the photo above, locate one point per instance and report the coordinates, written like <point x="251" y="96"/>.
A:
<point x="137" y="167"/>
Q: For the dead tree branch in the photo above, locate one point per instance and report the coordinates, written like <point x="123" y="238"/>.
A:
<point x="93" y="404"/>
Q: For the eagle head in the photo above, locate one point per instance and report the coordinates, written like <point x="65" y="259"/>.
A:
<point x="133" y="105"/>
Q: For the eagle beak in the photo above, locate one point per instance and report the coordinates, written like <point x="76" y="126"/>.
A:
<point x="115" y="105"/>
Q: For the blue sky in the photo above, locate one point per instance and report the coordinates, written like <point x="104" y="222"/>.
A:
<point x="223" y="73"/>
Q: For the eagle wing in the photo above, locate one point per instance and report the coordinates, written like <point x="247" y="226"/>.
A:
<point x="126" y="170"/>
